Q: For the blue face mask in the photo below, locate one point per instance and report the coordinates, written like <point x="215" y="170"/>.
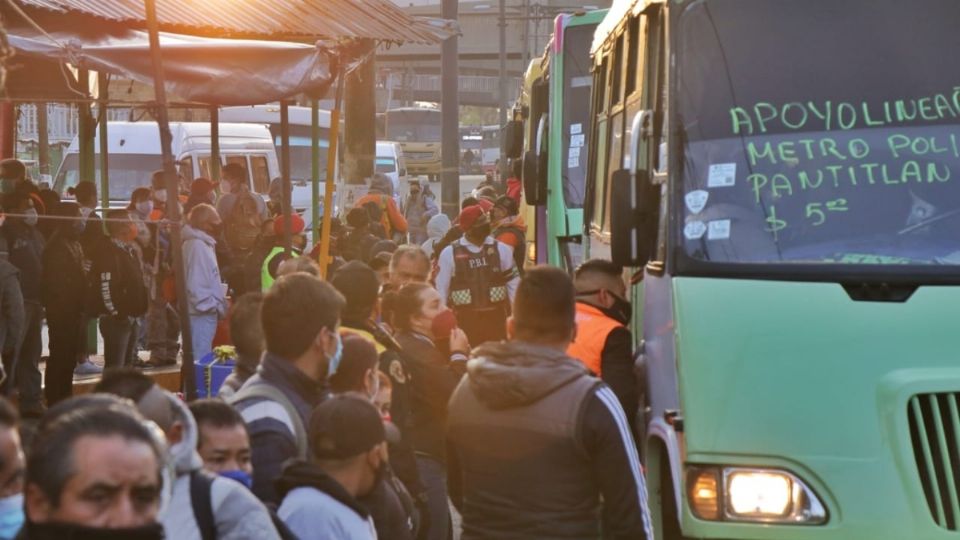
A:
<point x="11" y="516"/>
<point x="239" y="476"/>
<point x="335" y="359"/>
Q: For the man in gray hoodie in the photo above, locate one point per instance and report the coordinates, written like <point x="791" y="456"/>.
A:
<point x="201" y="506"/>
<point x="543" y="448"/>
<point x="206" y="297"/>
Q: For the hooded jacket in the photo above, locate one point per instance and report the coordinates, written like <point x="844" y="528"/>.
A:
<point x="204" y="286"/>
<point x="237" y="513"/>
<point x="437" y="227"/>
<point x="116" y="282"/>
<point x="317" y="506"/>
<point x="538" y="442"/>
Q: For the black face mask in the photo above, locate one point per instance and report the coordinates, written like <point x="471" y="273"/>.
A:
<point x="621" y="310"/>
<point x="480" y="232"/>
<point x="60" y="531"/>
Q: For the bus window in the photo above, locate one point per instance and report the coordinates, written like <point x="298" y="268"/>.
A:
<point x="633" y="53"/>
<point x="614" y="163"/>
<point x="261" y="174"/>
<point x="575" y="134"/>
<point x="205" y="167"/>
<point x="600" y="175"/>
<point x="186" y="169"/>
<point x="617" y="80"/>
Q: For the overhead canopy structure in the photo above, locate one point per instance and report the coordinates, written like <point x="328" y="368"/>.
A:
<point x="200" y="70"/>
<point x="292" y="20"/>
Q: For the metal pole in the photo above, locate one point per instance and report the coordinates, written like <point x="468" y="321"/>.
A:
<point x="503" y="85"/>
<point x="450" y="109"/>
<point x="43" y="139"/>
<point x="102" y="84"/>
<point x="331" y="172"/>
<point x="285" y="174"/>
<point x="8" y="130"/>
<point x="187" y="375"/>
<point x="215" y="147"/>
<point x="315" y="169"/>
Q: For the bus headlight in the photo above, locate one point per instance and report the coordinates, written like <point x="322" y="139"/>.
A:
<point x="752" y="495"/>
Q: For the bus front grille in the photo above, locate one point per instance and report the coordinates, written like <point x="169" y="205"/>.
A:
<point x="935" y="433"/>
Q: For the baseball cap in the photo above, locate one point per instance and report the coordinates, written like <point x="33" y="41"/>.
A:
<point x="296" y="224"/>
<point x="344" y="426"/>
<point x="469" y="216"/>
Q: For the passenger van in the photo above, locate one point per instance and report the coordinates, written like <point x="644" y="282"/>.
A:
<point x="391" y="163"/>
<point x="301" y="152"/>
<point x="134" y="154"/>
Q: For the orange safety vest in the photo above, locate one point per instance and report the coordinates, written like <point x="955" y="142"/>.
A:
<point x="593" y="327"/>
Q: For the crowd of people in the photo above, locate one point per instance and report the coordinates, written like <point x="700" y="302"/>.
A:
<point x="429" y="370"/>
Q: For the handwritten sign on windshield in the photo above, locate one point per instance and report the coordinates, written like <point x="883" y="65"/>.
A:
<point x="808" y="148"/>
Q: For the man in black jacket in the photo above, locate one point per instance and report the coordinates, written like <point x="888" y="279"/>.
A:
<point x="26" y="253"/>
<point x="64" y="293"/>
<point x="119" y="294"/>
<point x="543" y="447"/>
<point x="359" y="285"/>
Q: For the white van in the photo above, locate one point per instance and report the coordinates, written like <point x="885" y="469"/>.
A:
<point x="390" y="162"/>
<point x="134" y="154"/>
<point x="301" y="151"/>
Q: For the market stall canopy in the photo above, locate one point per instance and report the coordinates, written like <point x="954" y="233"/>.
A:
<point x="197" y="69"/>
<point x="291" y="20"/>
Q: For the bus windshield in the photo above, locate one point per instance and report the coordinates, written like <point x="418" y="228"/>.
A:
<point x="413" y="125"/>
<point x="816" y="131"/>
<point x="577" y="82"/>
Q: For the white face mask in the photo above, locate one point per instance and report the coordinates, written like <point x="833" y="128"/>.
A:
<point x="144" y="208"/>
<point x="160" y="196"/>
<point x="85" y="212"/>
<point x="225" y="187"/>
<point x="31" y="216"/>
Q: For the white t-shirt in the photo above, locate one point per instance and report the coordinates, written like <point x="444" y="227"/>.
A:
<point x="446" y="265"/>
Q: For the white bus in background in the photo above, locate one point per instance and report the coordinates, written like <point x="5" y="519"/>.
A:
<point x="134" y="154"/>
<point x="301" y="136"/>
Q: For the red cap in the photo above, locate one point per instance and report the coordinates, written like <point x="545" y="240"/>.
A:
<point x="469" y="216"/>
<point x="296" y="224"/>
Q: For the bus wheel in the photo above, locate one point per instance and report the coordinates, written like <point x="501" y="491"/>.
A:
<point x="670" y="518"/>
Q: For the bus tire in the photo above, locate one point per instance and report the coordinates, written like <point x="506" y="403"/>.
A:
<point x="663" y="506"/>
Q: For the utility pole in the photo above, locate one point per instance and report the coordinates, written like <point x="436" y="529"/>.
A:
<point x="450" y="109"/>
<point x="187" y="375"/>
<point x="503" y="85"/>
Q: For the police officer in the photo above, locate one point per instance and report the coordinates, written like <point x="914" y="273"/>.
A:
<point x="478" y="278"/>
<point x="603" y="341"/>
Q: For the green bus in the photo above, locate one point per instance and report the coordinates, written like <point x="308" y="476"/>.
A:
<point x="783" y="179"/>
<point x="555" y="164"/>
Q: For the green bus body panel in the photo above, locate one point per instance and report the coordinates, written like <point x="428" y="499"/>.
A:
<point x="561" y="221"/>
<point x="800" y="376"/>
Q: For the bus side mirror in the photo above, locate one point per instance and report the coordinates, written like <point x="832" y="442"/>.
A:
<point x="513" y="139"/>
<point x="534" y="191"/>
<point x="634" y="217"/>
